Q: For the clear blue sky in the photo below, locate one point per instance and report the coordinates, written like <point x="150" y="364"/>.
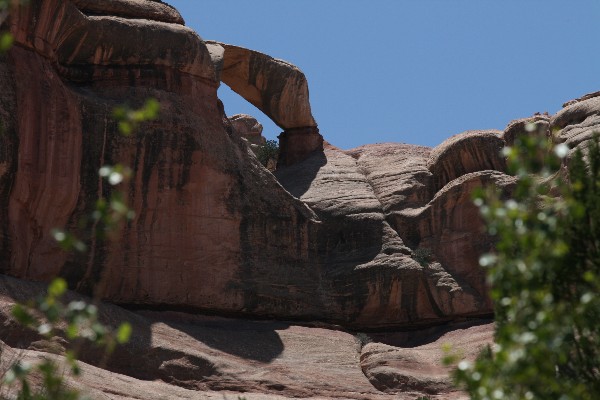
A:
<point x="414" y="71"/>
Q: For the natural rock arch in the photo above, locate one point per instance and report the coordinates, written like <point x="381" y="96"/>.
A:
<point x="277" y="88"/>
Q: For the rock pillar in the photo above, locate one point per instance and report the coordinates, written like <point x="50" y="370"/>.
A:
<point x="296" y="144"/>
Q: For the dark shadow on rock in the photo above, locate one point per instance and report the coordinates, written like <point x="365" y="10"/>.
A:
<point x="160" y="346"/>
<point x="248" y="339"/>
<point x="421" y="337"/>
<point x="297" y="178"/>
<point x="128" y="359"/>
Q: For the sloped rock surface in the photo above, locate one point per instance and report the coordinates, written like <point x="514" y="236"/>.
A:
<point x="577" y="122"/>
<point x="399" y="287"/>
<point x="205" y="354"/>
<point x="413" y="362"/>
<point x="467" y="152"/>
<point x="537" y="125"/>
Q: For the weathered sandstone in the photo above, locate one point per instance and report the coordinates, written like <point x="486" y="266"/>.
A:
<point x="467" y="152"/>
<point x="198" y="357"/>
<point x="537" y="125"/>
<point x="405" y="362"/>
<point x="213" y="229"/>
<point x="335" y="236"/>
<point x="577" y="122"/>
<point x="140" y="9"/>
<point x="249" y="128"/>
<point x="277" y="88"/>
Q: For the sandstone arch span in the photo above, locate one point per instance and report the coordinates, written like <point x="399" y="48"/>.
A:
<point x="277" y="88"/>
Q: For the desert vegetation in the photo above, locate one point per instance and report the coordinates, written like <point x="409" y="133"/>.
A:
<point x="544" y="277"/>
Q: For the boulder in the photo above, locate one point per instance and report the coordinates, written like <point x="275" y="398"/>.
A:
<point x="249" y="128"/>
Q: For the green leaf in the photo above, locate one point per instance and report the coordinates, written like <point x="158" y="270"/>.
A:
<point x="6" y="42"/>
<point x="124" y="333"/>
<point x="57" y="287"/>
<point x="125" y="128"/>
<point x="72" y="331"/>
<point x="151" y="109"/>
<point x="22" y="315"/>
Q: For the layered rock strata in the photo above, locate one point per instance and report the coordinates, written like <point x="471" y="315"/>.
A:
<point x="213" y="229"/>
<point x="338" y="236"/>
<point x="379" y="237"/>
<point x="176" y="355"/>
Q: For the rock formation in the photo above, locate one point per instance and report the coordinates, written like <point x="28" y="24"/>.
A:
<point x="214" y="230"/>
<point x="249" y="128"/>
<point x="335" y="236"/>
<point x="176" y="355"/>
<point x="277" y="88"/>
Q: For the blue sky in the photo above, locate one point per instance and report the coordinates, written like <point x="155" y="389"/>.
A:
<point x="414" y="71"/>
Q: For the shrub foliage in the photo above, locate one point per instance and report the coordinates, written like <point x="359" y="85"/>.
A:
<point x="544" y="278"/>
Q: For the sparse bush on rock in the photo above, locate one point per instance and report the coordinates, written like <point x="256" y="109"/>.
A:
<point x="267" y="154"/>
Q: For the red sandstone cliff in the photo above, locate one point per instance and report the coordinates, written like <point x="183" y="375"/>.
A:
<point x="331" y="237"/>
<point x="213" y="229"/>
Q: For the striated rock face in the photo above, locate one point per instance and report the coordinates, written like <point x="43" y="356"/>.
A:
<point x="382" y="236"/>
<point x="393" y="211"/>
<point x="577" y="122"/>
<point x="276" y="87"/>
<point x="206" y="212"/>
<point x="213" y="229"/>
<point x="337" y="236"/>
<point x="176" y="355"/>
<point x="468" y="152"/>
<point x="537" y="125"/>
<point x="147" y="9"/>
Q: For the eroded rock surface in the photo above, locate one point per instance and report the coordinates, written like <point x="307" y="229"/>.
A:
<point x="197" y="357"/>
<point x="337" y="236"/>
<point x="213" y="229"/>
<point x="277" y="88"/>
<point x="249" y="128"/>
<point x="577" y="123"/>
<point x="405" y="362"/>
<point x="140" y="9"/>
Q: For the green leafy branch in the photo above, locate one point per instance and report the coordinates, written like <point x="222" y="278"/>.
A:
<point x="544" y="277"/>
